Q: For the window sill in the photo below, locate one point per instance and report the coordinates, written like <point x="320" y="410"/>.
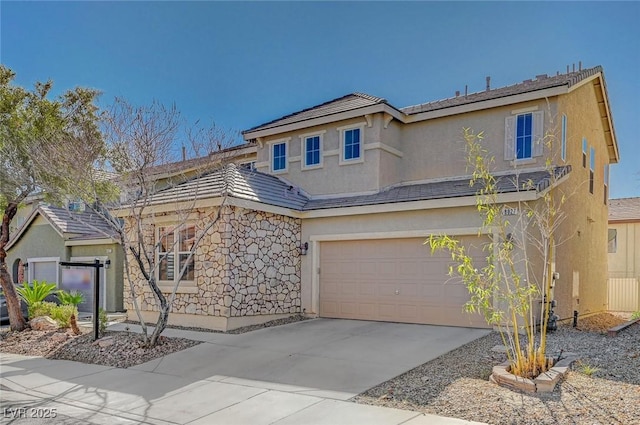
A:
<point x="311" y="167"/>
<point x="524" y="161"/>
<point x="351" y="161"/>
<point x="184" y="288"/>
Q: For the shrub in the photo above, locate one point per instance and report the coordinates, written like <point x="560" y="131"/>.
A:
<point x="60" y="313"/>
<point x="70" y="298"/>
<point x="41" y="308"/>
<point x="635" y="315"/>
<point x="35" y="292"/>
<point x="103" y="320"/>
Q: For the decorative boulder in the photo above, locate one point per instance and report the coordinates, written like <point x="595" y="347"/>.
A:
<point x="43" y="323"/>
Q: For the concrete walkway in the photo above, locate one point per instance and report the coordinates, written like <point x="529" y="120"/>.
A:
<point x="301" y="373"/>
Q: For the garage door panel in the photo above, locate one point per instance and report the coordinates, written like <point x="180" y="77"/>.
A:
<point x="394" y="280"/>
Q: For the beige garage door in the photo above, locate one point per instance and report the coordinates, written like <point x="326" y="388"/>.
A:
<point x="395" y="280"/>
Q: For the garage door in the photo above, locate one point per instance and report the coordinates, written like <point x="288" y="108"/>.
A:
<point x="396" y="280"/>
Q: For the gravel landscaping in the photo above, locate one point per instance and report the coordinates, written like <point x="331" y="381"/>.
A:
<point x="603" y="386"/>
<point x="116" y="349"/>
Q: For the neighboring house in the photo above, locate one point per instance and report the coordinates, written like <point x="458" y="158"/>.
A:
<point x="334" y="220"/>
<point x="624" y="254"/>
<point x="51" y="235"/>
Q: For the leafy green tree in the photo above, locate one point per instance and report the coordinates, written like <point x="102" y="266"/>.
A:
<point x="519" y="271"/>
<point x="48" y="147"/>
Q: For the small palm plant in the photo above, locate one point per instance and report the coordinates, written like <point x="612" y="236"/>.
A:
<point x="73" y="298"/>
<point x="70" y="298"/>
<point x="35" y="292"/>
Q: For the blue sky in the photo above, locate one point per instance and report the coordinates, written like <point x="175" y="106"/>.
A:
<point x="241" y="64"/>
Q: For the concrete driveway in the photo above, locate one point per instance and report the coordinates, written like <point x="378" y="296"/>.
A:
<point x="329" y="357"/>
<point x="292" y="374"/>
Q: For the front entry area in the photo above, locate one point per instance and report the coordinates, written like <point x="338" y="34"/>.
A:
<point x="395" y="280"/>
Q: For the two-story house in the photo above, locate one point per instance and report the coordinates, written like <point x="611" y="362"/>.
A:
<point x="334" y="220"/>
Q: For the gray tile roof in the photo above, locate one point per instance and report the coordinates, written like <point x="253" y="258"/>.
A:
<point x="539" y="83"/>
<point x="360" y="100"/>
<point x="439" y="190"/>
<point x="242" y="183"/>
<point x="345" y="103"/>
<point x="624" y="209"/>
<point x="238" y="182"/>
<point x="78" y="225"/>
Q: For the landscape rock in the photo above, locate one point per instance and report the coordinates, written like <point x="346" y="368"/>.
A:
<point x="43" y="323"/>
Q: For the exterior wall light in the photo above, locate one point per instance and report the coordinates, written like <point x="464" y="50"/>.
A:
<point x="107" y="263"/>
<point x="304" y="248"/>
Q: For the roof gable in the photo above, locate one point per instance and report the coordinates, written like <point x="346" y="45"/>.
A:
<point x="69" y="225"/>
<point x="342" y="104"/>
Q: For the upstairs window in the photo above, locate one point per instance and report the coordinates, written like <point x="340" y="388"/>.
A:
<point x="592" y="167"/>
<point x="563" y="139"/>
<point x="584" y="152"/>
<point x="312" y="151"/>
<point x="173" y="253"/>
<point x="351" y="144"/>
<point x="279" y="156"/>
<point x="524" y="136"/>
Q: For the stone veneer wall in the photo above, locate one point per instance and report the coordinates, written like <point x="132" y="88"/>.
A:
<point x="246" y="265"/>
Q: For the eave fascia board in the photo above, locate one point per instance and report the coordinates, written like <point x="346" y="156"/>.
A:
<point x="488" y="104"/>
<point x="85" y="242"/>
<point x="326" y="119"/>
<point x="169" y="207"/>
<point x="463" y="201"/>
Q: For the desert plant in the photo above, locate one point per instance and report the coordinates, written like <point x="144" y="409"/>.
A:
<point x="103" y="320"/>
<point x="62" y="314"/>
<point x="36" y="291"/>
<point x="635" y="315"/>
<point x="70" y="298"/>
<point x="587" y="369"/>
<point x="506" y="290"/>
<point x="41" y="308"/>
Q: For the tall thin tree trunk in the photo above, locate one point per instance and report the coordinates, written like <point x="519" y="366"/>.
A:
<point x="16" y="320"/>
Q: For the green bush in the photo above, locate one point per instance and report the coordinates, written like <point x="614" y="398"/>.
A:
<point x="60" y="313"/>
<point x="35" y="292"/>
<point x="41" y="308"/>
<point x="103" y="320"/>
<point x="70" y="298"/>
<point x="635" y="315"/>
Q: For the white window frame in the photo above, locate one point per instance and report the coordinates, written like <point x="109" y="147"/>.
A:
<point x="30" y="262"/>
<point x="537" y="136"/>
<point x="563" y="138"/>
<point x="303" y="150"/>
<point x="175" y="252"/>
<point x="343" y="131"/>
<point x="272" y="146"/>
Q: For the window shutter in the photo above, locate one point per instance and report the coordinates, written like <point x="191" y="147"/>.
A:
<point x="538" y="133"/>
<point x="509" y="138"/>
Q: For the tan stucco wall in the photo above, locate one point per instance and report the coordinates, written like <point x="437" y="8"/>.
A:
<point x="436" y="148"/>
<point x="332" y="178"/>
<point x="582" y="257"/>
<point x="625" y="262"/>
<point x="431" y="149"/>
<point x="464" y="220"/>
